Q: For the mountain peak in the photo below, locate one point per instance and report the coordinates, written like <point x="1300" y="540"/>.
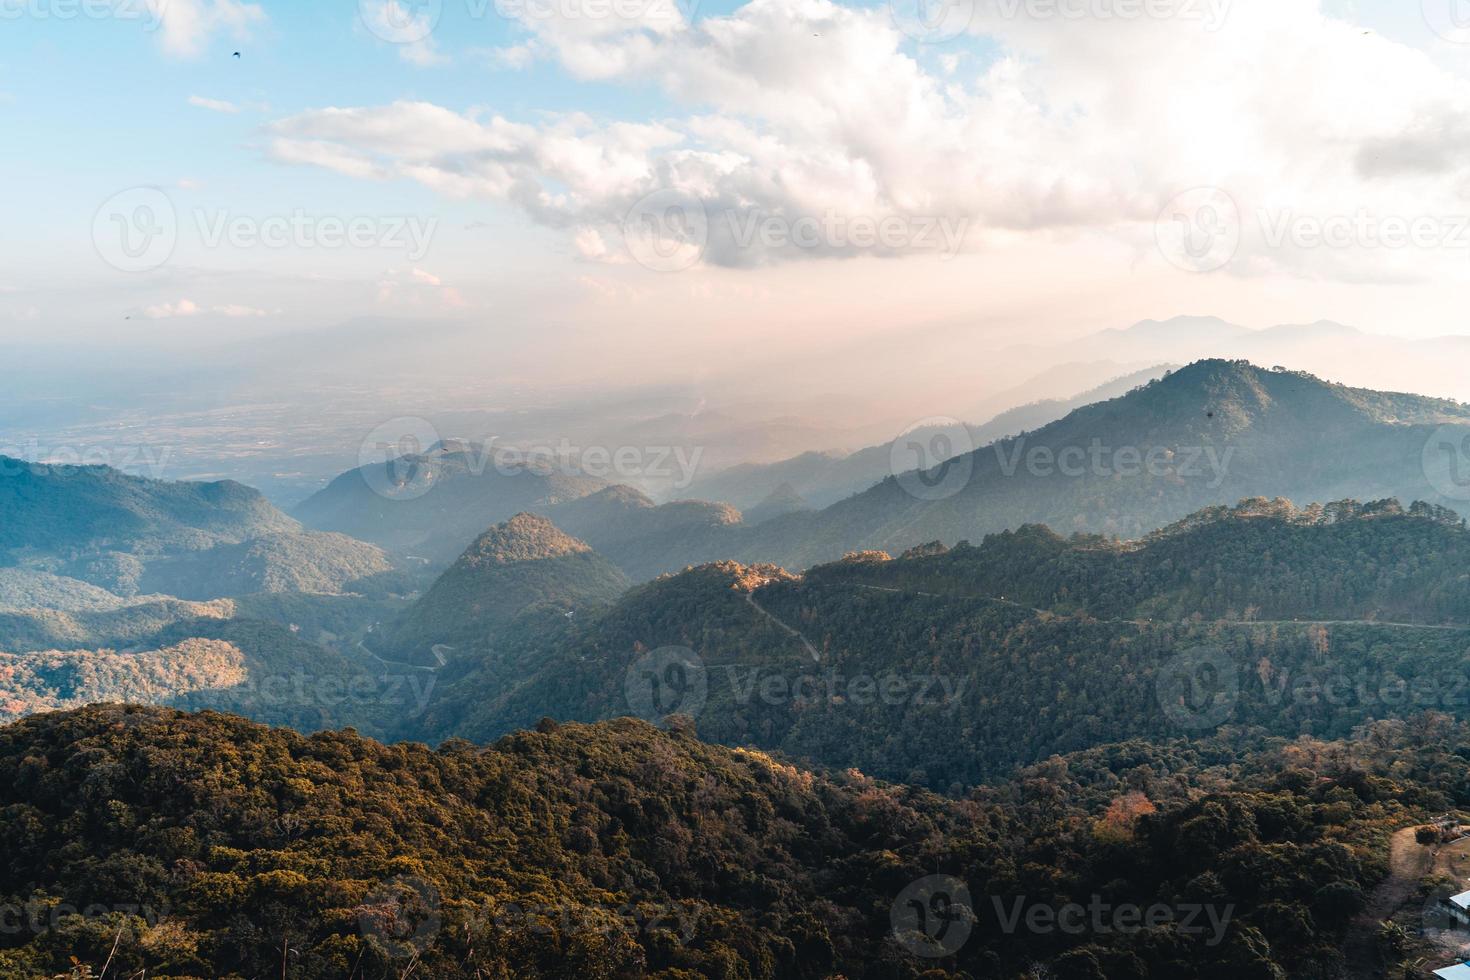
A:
<point x="525" y="537"/>
<point x="1198" y="327"/>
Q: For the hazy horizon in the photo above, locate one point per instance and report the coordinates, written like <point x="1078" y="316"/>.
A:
<point x="493" y="173"/>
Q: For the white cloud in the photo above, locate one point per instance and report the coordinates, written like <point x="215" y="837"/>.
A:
<point x="417" y="288"/>
<point x="213" y="105"/>
<point x="424" y="54"/>
<point x="514" y="57"/>
<point x="590" y="245"/>
<point x="187" y="307"/>
<point x="804" y="109"/>
<point x="186" y="27"/>
<point x="236" y="311"/>
<point x="411" y="28"/>
<point x="167" y="311"/>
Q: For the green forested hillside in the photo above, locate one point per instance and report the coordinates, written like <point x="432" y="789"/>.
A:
<point x="1025" y="646"/>
<point x="289" y="562"/>
<point x="133" y="536"/>
<point x="29" y="589"/>
<point x="77" y="509"/>
<point x="644" y="538"/>
<point x="204" y="845"/>
<point x="1259" y="560"/>
<point x="434" y="504"/>
<point x="524" y="569"/>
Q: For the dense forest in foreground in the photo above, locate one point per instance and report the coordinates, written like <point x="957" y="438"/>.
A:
<point x="174" y="845"/>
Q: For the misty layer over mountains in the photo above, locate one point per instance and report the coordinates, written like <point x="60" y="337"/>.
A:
<point x="287" y="413"/>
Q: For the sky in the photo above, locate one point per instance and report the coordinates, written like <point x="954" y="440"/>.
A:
<point x="666" y="190"/>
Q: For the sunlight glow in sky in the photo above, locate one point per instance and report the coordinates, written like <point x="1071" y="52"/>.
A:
<point x="635" y="184"/>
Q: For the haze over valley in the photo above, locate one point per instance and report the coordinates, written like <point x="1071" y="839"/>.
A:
<point x="750" y="490"/>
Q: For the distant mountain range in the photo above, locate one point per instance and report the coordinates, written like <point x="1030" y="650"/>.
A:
<point x="1209" y="434"/>
<point x="818" y="479"/>
<point x="131" y="535"/>
<point x="431" y="505"/>
<point x="1324" y="347"/>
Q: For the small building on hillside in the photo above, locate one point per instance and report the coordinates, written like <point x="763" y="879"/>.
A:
<point x="1458" y="906"/>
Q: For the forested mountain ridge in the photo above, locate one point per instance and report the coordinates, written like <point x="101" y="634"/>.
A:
<point x="1027" y="645"/>
<point x="1262" y="560"/>
<point x="523" y="569"/>
<point x="133" y="535"/>
<point x="208" y="845"/>
<point x="434" y="503"/>
<point x="1208" y="434"/>
<point x="78" y="509"/>
<point x="823" y="478"/>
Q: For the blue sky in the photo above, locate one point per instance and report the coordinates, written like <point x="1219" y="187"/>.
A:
<point x="1052" y="148"/>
